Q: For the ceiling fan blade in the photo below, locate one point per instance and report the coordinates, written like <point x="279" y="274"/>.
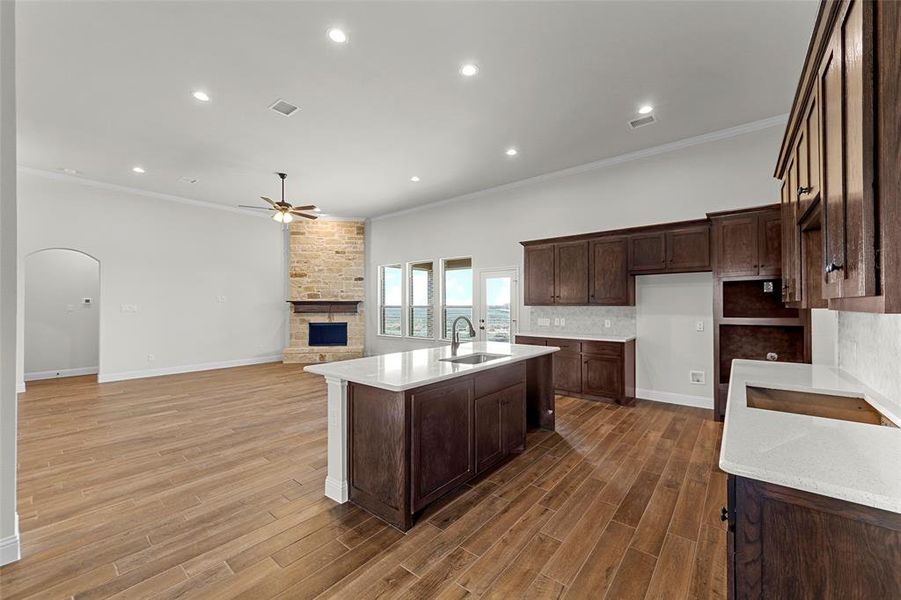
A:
<point x="304" y="215"/>
<point x="306" y="207"/>
<point x="270" y="201"/>
<point x="254" y="207"/>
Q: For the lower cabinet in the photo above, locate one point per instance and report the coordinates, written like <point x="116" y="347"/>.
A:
<point x="590" y="368"/>
<point x="407" y="449"/>
<point x="785" y="543"/>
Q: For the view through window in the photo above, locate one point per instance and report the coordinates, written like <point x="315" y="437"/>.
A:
<point x="457" y="294"/>
<point x="421" y="285"/>
<point x="390" y="300"/>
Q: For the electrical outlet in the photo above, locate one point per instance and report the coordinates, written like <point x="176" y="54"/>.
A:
<point x="151" y="358"/>
<point x="607" y="323"/>
<point x="544" y="322"/>
<point x="699" y="326"/>
<point x="697" y="377"/>
<point x="129" y="308"/>
<point x="562" y="322"/>
<point x="556" y="321"/>
<point x="221" y="299"/>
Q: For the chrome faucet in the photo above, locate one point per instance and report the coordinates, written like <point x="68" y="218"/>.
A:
<point x="455" y="341"/>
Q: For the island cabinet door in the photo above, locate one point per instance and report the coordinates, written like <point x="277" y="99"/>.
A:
<point x="513" y="411"/>
<point x="489" y="445"/>
<point x="442" y="453"/>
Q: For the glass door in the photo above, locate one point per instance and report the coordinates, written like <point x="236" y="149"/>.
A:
<point x="498" y="305"/>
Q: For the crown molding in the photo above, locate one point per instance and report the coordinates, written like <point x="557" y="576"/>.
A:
<point x="137" y="191"/>
<point x="712" y="136"/>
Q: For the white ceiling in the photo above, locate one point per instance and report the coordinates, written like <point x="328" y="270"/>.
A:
<point x="104" y="86"/>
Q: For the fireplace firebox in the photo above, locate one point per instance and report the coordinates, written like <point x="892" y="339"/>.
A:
<point x="328" y="334"/>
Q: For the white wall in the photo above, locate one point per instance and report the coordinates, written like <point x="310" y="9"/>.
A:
<point x="62" y="332"/>
<point x="173" y="261"/>
<point x="734" y="172"/>
<point x="9" y="527"/>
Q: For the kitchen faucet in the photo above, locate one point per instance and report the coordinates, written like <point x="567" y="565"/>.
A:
<point x="455" y="340"/>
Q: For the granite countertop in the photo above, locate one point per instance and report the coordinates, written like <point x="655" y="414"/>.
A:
<point x="851" y="461"/>
<point x="401" y="371"/>
<point x="591" y="337"/>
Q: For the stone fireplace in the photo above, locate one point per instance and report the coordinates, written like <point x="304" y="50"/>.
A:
<point x="325" y="274"/>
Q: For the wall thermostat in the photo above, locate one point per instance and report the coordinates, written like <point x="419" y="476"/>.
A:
<point x="87" y="301"/>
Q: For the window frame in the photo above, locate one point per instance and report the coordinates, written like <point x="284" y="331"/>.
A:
<point x="408" y="298"/>
<point x="380" y="296"/>
<point x="439" y="315"/>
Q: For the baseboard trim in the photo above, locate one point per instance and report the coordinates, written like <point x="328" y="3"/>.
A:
<point x="10" y="549"/>
<point x="20" y="387"/>
<point x="336" y="490"/>
<point x="210" y="366"/>
<point x="671" y="398"/>
<point x="38" y="375"/>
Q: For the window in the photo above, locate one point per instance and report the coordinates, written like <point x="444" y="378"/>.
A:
<point x="456" y="294"/>
<point x="420" y="287"/>
<point x="390" y="300"/>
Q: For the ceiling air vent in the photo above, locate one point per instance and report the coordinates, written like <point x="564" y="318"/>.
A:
<point x="642" y="121"/>
<point x="283" y="108"/>
<point x="191" y="180"/>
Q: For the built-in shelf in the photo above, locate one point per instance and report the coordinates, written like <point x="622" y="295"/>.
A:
<point x="329" y="307"/>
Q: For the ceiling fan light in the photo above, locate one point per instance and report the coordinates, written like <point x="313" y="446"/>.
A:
<point x="287" y="217"/>
<point x="277" y="217"/>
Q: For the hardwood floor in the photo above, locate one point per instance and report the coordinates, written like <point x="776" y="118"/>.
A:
<point x="209" y="485"/>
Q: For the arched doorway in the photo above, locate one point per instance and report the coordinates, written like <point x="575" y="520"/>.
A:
<point x="62" y="314"/>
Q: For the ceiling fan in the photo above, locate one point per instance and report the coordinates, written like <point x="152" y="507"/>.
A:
<point x="283" y="212"/>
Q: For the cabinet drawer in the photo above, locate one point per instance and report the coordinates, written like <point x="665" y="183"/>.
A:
<point x="565" y="345"/>
<point x="498" y="379"/>
<point x="603" y="348"/>
<point x="534" y="341"/>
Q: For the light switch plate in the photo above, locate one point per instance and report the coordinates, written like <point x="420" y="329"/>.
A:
<point x="607" y="323"/>
<point x="544" y="322"/>
<point x="556" y="321"/>
<point x="562" y="322"/>
<point x="699" y="326"/>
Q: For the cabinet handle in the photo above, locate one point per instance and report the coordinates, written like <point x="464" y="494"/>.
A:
<point x="724" y="514"/>
<point x="804" y="189"/>
<point x="833" y="267"/>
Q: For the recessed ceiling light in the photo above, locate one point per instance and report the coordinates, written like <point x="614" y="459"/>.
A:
<point x="645" y="109"/>
<point x="201" y="95"/>
<point x="415" y="179"/>
<point x="70" y="171"/>
<point x="337" y="35"/>
<point x="512" y="152"/>
<point x="468" y="70"/>
<point x="138" y="170"/>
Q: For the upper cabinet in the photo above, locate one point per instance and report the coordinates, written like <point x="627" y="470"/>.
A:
<point x="747" y="243"/>
<point x="599" y="269"/>
<point x="609" y="282"/>
<point x="839" y="163"/>
<point x="571" y="273"/>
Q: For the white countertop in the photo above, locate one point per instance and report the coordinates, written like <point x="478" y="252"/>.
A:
<point x="400" y="371"/>
<point x="577" y="336"/>
<point x="850" y="461"/>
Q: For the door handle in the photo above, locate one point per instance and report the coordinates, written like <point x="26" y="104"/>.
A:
<point x="833" y="267"/>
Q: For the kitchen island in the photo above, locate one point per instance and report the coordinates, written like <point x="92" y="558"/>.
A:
<point x="406" y="428"/>
<point x="813" y="458"/>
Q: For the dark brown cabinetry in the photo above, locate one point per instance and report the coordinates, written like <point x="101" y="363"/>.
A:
<point x="406" y="449"/>
<point x="751" y="319"/>
<point x="442" y="425"/>
<point x="539" y="264"/>
<point x="592" y="369"/>
<point x="647" y="252"/>
<point x="609" y="282"/>
<point x="570" y="273"/>
<point x="688" y="249"/>
<point x="839" y="162"/>
<point x="785" y="543"/>
<point x="747" y="242"/>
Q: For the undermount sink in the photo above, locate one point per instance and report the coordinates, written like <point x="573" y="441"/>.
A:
<point x="843" y="408"/>
<point x="474" y="359"/>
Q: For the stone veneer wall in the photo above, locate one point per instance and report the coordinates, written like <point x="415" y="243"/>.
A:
<point x="326" y="262"/>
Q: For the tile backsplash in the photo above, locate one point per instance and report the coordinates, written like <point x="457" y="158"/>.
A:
<point x="584" y="319"/>
<point x="869" y="348"/>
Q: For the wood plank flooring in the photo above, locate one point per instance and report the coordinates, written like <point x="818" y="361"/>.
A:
<point x="209" y="485"/>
